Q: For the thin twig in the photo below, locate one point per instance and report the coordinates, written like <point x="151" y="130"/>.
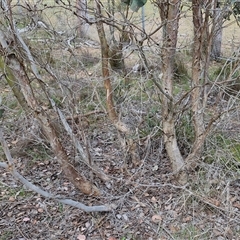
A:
<point x="77" y="116"/>
<point x="83" y="155"/>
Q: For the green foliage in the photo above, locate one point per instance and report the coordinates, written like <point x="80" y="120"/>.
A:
<point x="151" y="123"/>
<point x="128" y="237"/>
<point x="60" y="207"/>
<point x="236" y="7"/>
<point x="224" y="149"/>
<point x="135" y="4"/>
<point x="230" y="145"/>
<point x="57" y="100"/>
<point x="226" y="71"/>
<point x="6" y="235"/>
<point x="14" y="192"/>
<point x="230" y="73"/>
<point x="1" y="112"/>
<point x="37" y="154"/>
<point x="180" y="67"/>
<point x="190" y="232"/>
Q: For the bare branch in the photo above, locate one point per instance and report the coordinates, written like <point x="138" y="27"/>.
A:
<point x="77" y="116"/>
<point x="3" y="165"/>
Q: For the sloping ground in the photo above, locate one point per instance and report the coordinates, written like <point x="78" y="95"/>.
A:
<point x="150" y="204"/>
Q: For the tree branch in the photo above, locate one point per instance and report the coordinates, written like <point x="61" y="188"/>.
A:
<point x="17" y="175"/>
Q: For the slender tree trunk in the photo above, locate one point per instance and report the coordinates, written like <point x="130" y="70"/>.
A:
<point x="13" y="83"/>
<point x="169" y="13"/>
<point x="129" y="144"/>
<point x="105" y="67"/>
<point x="200" y="62"/>
<point x="70" y="172"/>
<point x="81" y="6"/>
<point x="217" y="34"/>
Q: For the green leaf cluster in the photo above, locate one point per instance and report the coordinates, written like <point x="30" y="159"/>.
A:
<point x="236" y="7"/>
<point x="135" y="4"/>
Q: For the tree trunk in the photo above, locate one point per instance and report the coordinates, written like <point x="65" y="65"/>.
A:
<point x="70" y="172"/>
<point x="217" y="34"/>
<point x="13" y="83"/>
<point x="201" y="53"/>
<point x="129" y="144"/>
<point x="81" y="6"/>
<point x="169" y="13"/>
<point x="105" y="68"/>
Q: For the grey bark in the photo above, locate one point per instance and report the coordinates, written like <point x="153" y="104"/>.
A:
<point x="217" y="34"/>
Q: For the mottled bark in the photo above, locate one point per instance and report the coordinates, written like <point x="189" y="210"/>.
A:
<point x="200" y="63"/>
<point x="169" y="12"/>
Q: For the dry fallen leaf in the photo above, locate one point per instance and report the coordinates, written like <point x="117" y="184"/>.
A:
<point x="81" y="237"/>
<point x="112" y="238"/>
<point x="215" y="202"/>
<point x="11" y="199"/>
<point x="237" y="205"/>
<point x="26" y="219"/>
<point x="168" y="207"/>
<point x="187" y="219"/>
<point x="34" y="221"/>
<point x="153" y="200"/>
<point x="156" y="218"/>
<point x="174" y="228"/>
<point x="40" y="210"/>
<point x="14" y="142"/>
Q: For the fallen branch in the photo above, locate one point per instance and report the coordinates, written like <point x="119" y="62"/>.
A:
<point x="11" y="168"/>
<point x="79" y="116"/>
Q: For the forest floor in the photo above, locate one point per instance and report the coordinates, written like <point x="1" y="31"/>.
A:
<point x="150" y="203"/>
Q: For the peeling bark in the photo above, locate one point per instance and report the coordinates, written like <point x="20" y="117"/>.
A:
<point x="169" y="12"/>
<point x="200" y="63"/>
<point x="70" y="172"/>
<point x="105" y="68"/>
